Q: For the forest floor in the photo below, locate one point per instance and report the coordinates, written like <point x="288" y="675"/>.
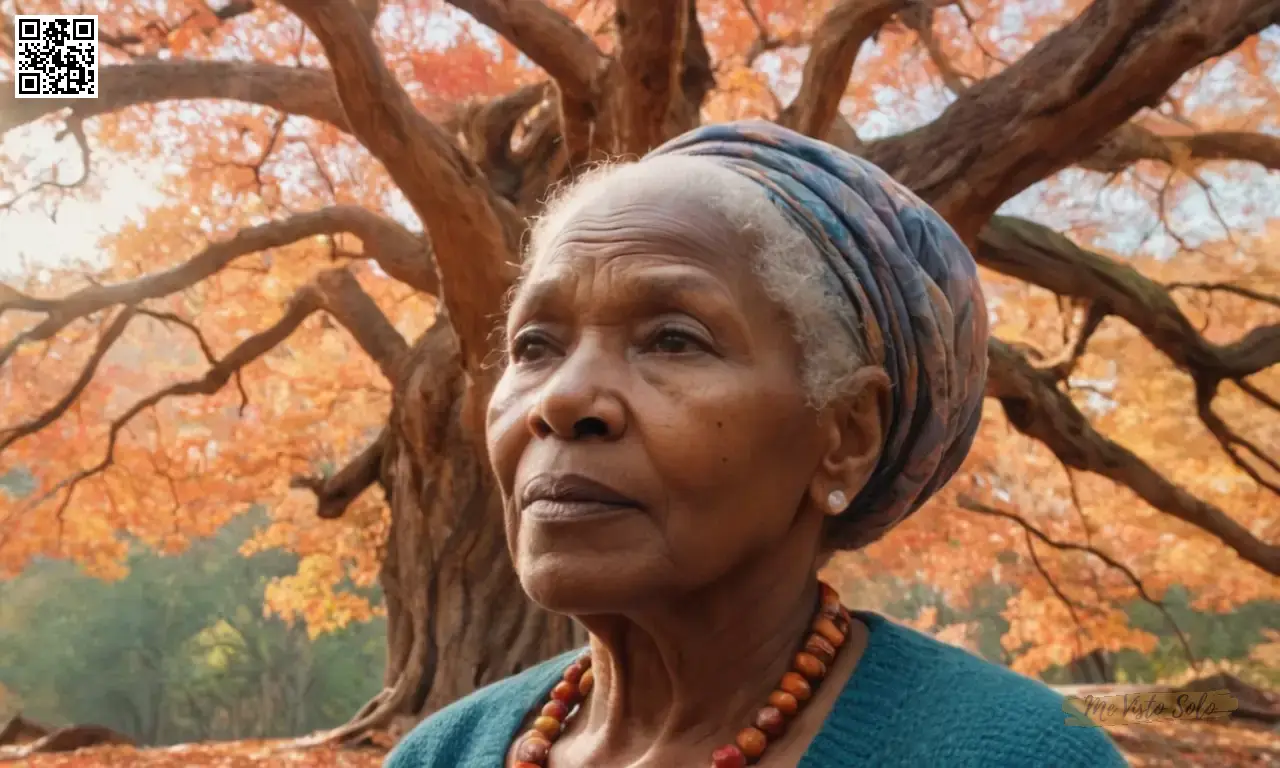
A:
<point x="1169" y="743"/>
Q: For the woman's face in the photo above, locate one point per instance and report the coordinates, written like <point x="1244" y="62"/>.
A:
<point x="650" y="431"/>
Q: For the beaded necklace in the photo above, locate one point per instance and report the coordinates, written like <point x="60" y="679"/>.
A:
<point x="829" y="629"/>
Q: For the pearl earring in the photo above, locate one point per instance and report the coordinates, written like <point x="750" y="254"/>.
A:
<point x="837" y="501"/>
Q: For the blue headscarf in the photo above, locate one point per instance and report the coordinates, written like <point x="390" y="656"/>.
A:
<point x="910" y="290"/>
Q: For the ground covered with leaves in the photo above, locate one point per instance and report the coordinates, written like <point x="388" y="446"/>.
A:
<point x="225" y="754"/>
<point x="1199" y="743"/>
<point x="1251" y="745"/>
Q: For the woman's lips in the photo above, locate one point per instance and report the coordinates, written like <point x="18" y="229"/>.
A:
<point x="567" y="497"/>
<point x="549" y="511"/>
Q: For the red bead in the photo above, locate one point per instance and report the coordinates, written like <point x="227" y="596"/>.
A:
<point x="565" y="692"/>
<point x="573" y="673"/>
<point x="557" y="709"/>
<point x="525" y="764"/>
<point x="584" y="660"/>
<point x="728" y="756"/>
<point x="534" y="748"/>
<point x="820" y="648"/>
<point x="771" y="721"/>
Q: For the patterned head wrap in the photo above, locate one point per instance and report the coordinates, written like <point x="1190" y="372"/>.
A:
<point x="910" y="290"/>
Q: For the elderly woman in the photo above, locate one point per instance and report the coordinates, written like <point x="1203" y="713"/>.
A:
<point x="725" y="362"/>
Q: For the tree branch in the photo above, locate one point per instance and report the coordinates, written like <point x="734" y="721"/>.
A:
<point x="1038" y="255"/>
<point x="209" y="356"/>
<point x="558" y="45"/>
<point x="398" y="251"/>
<point x="1067" y="602"/>
<point x="765" y="40"/>
<point x="1062" y="365"/>
<point x="1055" y="105"/>
<point x="306" y="301"/>
<point x="1238" y="290"/>
<point x="920" y="19"/>
<point x="1041" y="256"/>
<point x="973" y="505"/>
<point x="652" y="35"/>
<point x="1131" y="142"/>
<point x="9" y="436"/>
<point x="336" y="492"/>
<point x="549" y="38"/>
<point x="832" y="52"/>
<point x="231" y="10"/>
<point x="346" y="301"/>
<point x="475" y="233"/>
<point x="1036" y="408"/>
<point x="487" y="129"/>
<point x="296" y="90"/>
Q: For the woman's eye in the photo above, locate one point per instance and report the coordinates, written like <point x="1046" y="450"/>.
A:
<point x="530" y="348"/>
<point x="670" y="341"/>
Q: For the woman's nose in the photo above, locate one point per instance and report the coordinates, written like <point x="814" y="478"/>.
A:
<point x="578" y="401"/>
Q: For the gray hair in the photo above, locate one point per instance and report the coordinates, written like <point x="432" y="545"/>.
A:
<point x="785" y="260"/>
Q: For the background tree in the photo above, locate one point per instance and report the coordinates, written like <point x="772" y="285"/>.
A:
<point x="179" y="650"/>
<point x="316" y="162"/>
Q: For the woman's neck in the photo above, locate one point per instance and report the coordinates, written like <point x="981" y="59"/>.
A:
<point x="689" y="674"/>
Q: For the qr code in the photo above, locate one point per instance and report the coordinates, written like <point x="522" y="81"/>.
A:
<point x="56" y="57"/>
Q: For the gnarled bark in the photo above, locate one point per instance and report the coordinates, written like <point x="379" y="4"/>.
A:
<point x="456" y="616"/>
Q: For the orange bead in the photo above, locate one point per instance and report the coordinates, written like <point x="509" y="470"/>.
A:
<point x="587" y="682"/>
<point x="820" y="647"/>
<point x="796" y="685"/>
<point x="573" y="673"/>
<point x="784" y="702"/>
<point x="534" y="748"/>
<point x="547" y="726"/>
<point x="557" y="709"/>
<point x="771" y="721"/>
<point x="809" y="666"/>
<point x="827" y="628"/>
<point x="565" y="691"/>
<point x="752" y="742"/>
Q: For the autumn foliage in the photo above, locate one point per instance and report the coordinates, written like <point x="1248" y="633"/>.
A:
<point x="250" y="328"/>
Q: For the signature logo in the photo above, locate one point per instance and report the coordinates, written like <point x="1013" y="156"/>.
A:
<point x="1138" y="708"/>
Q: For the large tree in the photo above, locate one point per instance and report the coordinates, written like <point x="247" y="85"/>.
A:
<point x="307" y="142"/>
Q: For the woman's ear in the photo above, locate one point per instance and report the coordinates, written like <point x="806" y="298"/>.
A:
<point x="855" y="435"/>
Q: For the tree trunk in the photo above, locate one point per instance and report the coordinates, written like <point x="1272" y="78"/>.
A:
<point x="457" y="618"/>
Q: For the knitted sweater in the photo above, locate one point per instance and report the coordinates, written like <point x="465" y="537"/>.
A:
<point x="911" y="701"/>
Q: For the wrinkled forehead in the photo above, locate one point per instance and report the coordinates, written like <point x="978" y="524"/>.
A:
<point x="664" y="207"/>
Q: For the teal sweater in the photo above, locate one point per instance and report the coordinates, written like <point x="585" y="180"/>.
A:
<point x="911" y="701"/>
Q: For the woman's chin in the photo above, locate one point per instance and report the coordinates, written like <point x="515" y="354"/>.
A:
<point x="577" y="585"/>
